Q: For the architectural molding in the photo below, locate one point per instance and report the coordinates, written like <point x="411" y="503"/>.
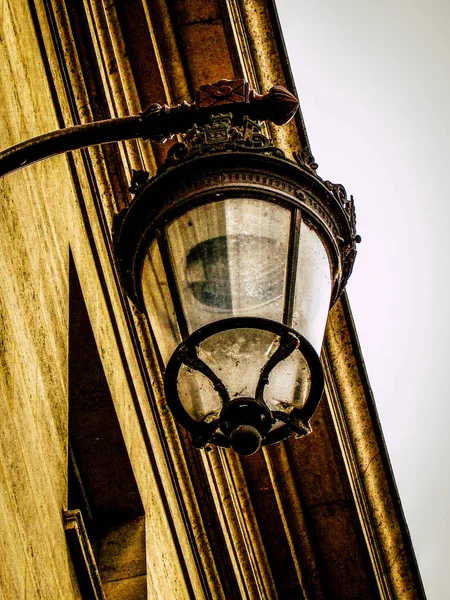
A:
<point x="82" y="556"/>
<point x="367" y="461"/>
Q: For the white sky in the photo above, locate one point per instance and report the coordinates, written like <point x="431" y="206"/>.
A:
<point x="374" y="85"/>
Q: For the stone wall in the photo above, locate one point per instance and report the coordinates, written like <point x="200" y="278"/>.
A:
<point x="33" y="331"/>
<point x="314" y="518"/>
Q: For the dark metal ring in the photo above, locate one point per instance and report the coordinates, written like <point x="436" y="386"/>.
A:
<point x="186" y="353"/>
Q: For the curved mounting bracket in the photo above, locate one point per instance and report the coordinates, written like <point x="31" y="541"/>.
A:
<point x="157" y="123"/>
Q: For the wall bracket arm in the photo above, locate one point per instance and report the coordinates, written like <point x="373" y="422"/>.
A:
<point x="157" y="123"/>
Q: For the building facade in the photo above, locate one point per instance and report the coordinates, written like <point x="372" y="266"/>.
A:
<point x="102" y="495"/>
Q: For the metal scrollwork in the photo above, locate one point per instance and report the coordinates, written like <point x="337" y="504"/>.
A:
<point x="339" y="192"/>
<point x="138" y="180"/>
<point x="306" y="160"/>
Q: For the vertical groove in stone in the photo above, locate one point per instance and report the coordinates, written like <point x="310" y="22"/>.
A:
<point x="120" y="53"/>
<point x="244" y="509"/>
<point x="241" y="41"/>
<point x="231" y="525"/>
<point x="81" y="112"/>
<point x="111" y="77"/>
<point x="296" y="528"/>
<point x="165" y="43"/>
<point x="345" y="443"/>
<point x="83" y="108"/>
<point x="129" y="90"/>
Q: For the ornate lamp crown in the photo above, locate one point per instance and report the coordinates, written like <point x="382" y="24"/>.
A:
<point x="223" y="133"/>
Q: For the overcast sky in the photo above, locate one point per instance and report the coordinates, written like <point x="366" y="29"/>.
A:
<point x="374" y="85"/>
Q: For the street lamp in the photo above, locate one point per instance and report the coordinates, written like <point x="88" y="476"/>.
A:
<point x="235" y="254"/>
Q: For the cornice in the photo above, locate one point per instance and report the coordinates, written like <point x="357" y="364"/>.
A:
<point x="364" y="451"/>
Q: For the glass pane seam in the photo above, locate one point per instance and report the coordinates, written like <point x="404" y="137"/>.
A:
<point x="291" y="269"/>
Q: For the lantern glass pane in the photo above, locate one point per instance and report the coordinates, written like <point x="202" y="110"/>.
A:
<point x="289" y="383"/>
<point x="230" y="259"/>
<point x="312" y="288"/>
<point x="158" y="303"/>
<point x="197" y="395"/>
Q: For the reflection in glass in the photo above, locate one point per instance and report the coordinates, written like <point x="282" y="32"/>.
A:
<point x="208" y="271"/>
<point x="230" y="259"/>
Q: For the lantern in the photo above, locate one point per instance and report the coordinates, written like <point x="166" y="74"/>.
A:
<point x="235" y="254"/>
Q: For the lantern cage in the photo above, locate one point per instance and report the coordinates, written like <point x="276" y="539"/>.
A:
<point x="235" y="254"/>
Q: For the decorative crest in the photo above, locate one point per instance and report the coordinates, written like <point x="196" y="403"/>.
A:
<point x="222" y="133"/>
